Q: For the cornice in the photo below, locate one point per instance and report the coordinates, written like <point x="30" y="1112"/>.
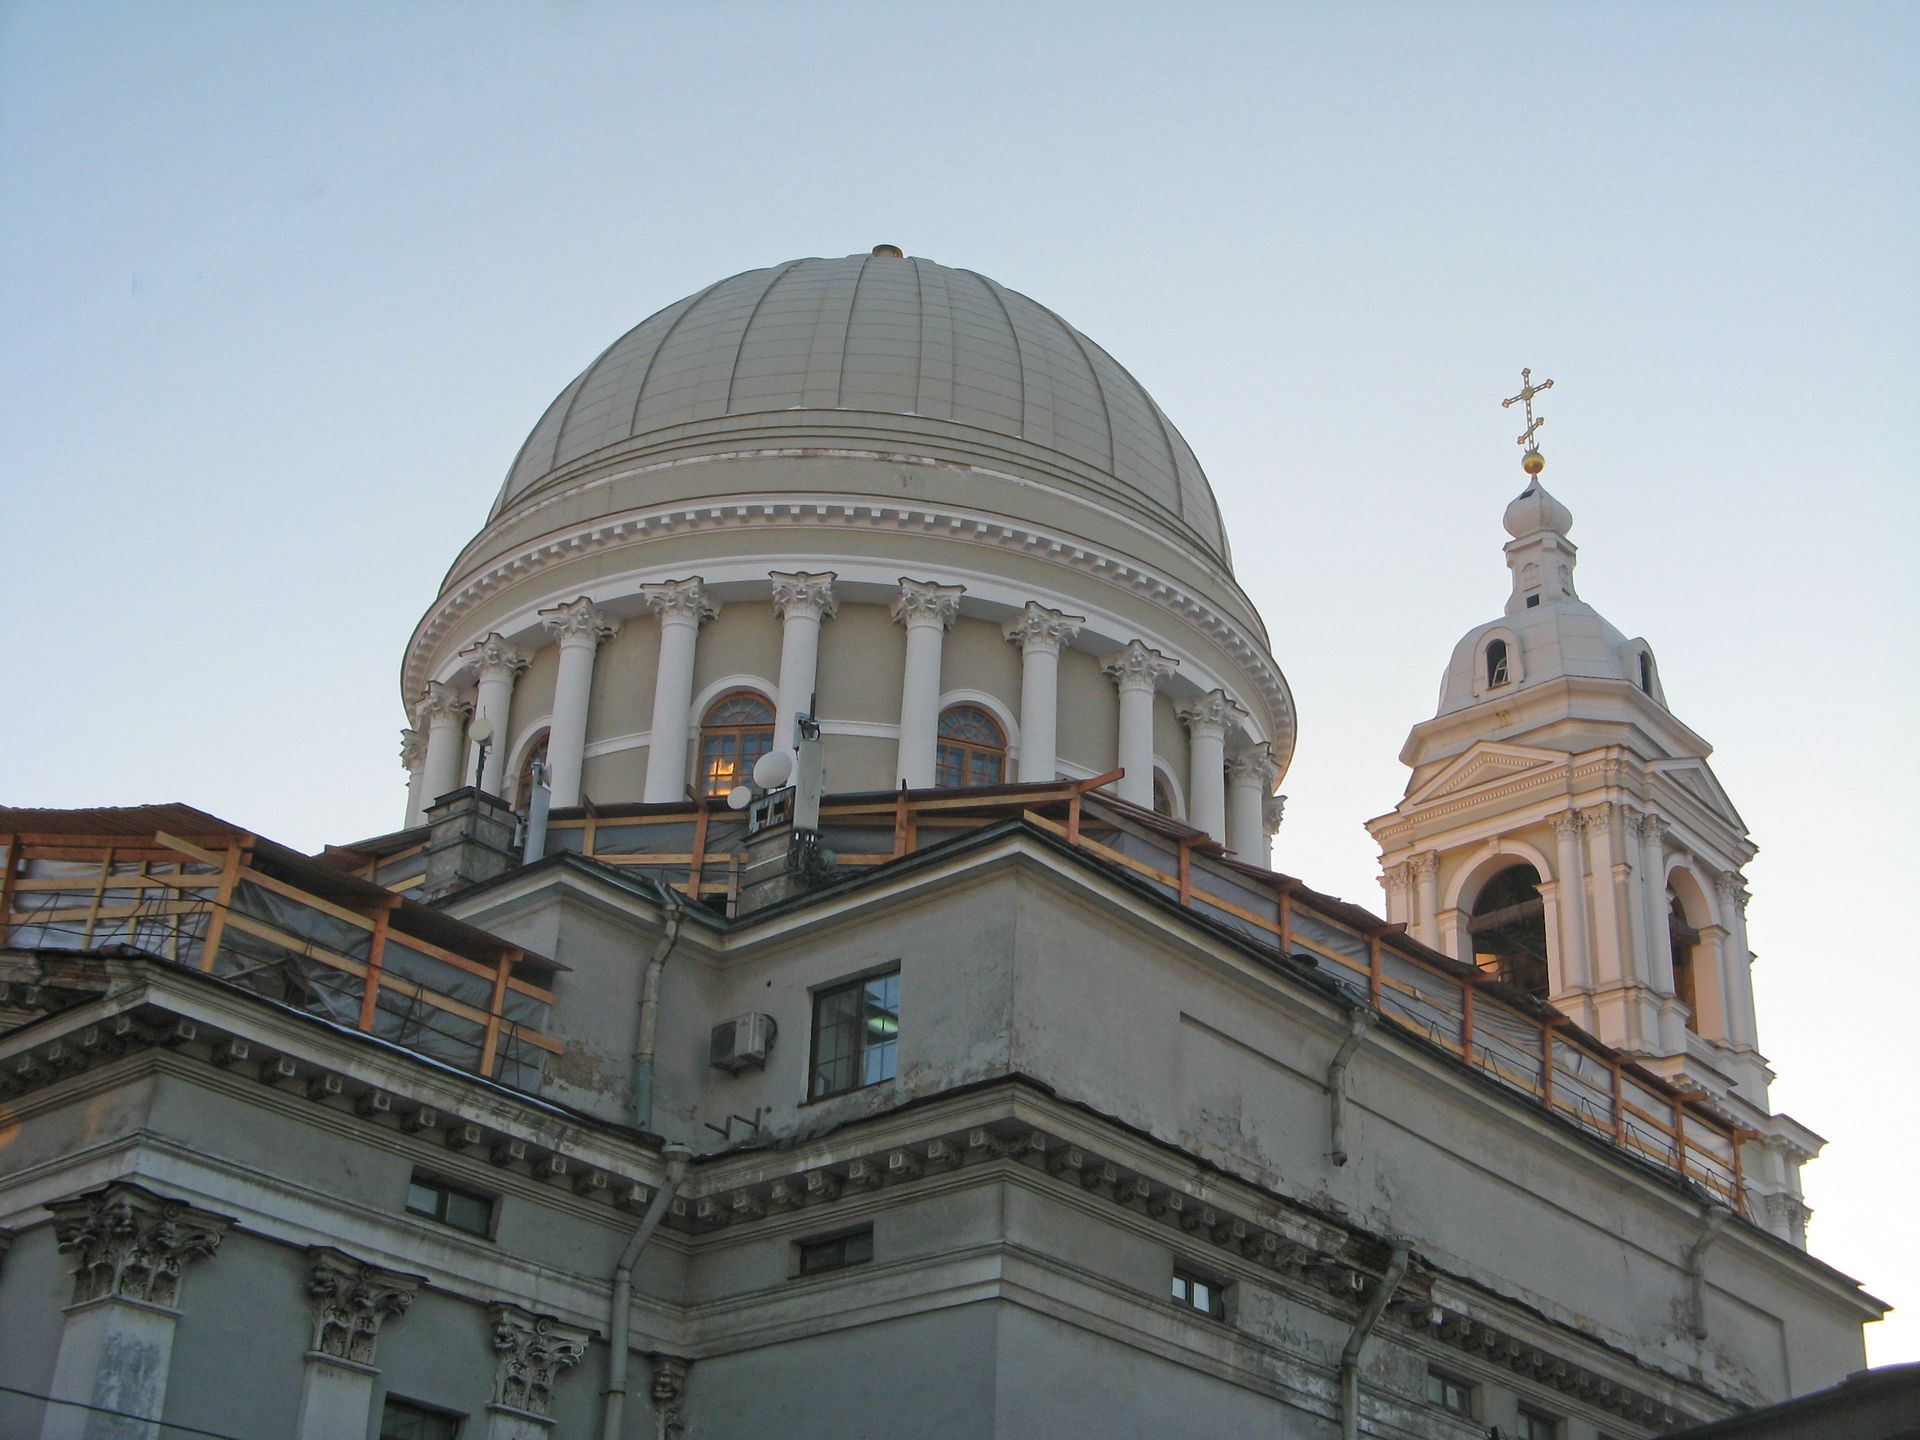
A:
<point x="821" y="512"/>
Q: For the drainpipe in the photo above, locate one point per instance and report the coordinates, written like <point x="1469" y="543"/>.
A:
<point x="620" y="1309"/>
<point x="650" y="1015"/>
<point x="1357" y="1023"/>
<point x="1716" y="1219"/>
<point x="1356" y="1342"/>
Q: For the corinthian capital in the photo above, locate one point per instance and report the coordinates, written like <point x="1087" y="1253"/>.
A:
<point x="1253" y="765"/>
<point x="530" y="1353"/>
<point x="494" y="657"/>
<point x="131" y="1244"/>
<point x="805" y="594"/>
<point x="579" y="622"/>
<point x="1597" y="818"/>
<point x="1566" y="824"/>
<point x="1212" y="714"/>
<point x="1272" y="811"/>
<point x="1731" y="886"/>
<point x="441" y="704"/>
<point x="351" y="1301"/>
<point x="1426" y="864"/>
<point x="925" y="602"/>
<point x="1036" y="629"/>
<point x="1397" y="879"/>
<point x="1653" y="829"/>
<point x="680" y="600"/>
<point x="1138" y="667"/>
<point x="413" y="749"/>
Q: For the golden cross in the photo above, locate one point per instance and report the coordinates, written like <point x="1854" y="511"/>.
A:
<point x="1527" y="391"/>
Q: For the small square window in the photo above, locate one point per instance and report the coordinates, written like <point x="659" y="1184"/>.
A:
<point x="1196" y="1292"/>
<point x="836" y="1252"/>
<point x="1535" y="1426"/>
<point x="856" y="1034"/>
<point x="1450" y="1393"/>
<point x="450" y="1204"/>
<point x="404" y="1420"/>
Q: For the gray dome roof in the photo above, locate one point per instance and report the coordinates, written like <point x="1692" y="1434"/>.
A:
<point x="839" y="349"/>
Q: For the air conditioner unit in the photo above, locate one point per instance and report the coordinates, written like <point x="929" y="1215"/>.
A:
<point x="740" y="1042"/>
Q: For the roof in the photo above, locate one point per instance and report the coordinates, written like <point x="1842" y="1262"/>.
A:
<point x="832" y="345"/>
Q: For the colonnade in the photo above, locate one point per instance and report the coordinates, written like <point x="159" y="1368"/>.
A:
<point x="1607" y="915"/>
<point x="1228" y="796"/>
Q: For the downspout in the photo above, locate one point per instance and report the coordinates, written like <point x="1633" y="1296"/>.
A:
<point x="1357" y="1023"/>
<point x="1356" y="1342"/>
<point x="650" y="1015"/>
<point x="1716" y="1219"/>
<point x="620" y="1308"/>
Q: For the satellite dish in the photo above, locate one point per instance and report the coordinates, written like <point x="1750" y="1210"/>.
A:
<point x="739" y="797"/>
<point x="773" y="769"/>
<point x="481" y="731"/>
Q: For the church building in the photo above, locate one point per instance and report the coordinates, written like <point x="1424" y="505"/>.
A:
<point x="829" y="979"/>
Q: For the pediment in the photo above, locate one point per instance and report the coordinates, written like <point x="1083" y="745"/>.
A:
<point x="1486" y="763"/>
<point x="1697" y="782"/>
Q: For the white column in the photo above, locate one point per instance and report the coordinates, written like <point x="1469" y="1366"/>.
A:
<point x="926" y="609"/>
<point x="1608" y="961"/>
<point x="1653" y="894"/>
<point x="579" y="627"/>
<point x="1138" y="671"/>
<point x="1040" y="633"/>
<point x="497" y="663"/>
<point x="444" y="714"/>
<point x="1250" y="776"/>
<point x="350" y="1303"/>
<point x="1575" y="966"/>
<point x="802" y="600"/>
<point x="131" y="1250"/>
<point x="413" y="757"/>
<point x="1207" y="720"/>
<point x="1743" y="1021"/>
<point x="1426" y="879"/>
<point x="681" y="605"/>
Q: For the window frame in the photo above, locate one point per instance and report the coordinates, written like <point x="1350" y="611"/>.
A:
<point x="446" y="1189"/>
<point x="1442" y="1379"/>
<point x="969" y="752"/>
<point x="818" y="997"/>
<point x="1187" y="1276"/>
<point x="818" y="1243"/>
<point x="1531" y="1419"/>
<point x="428" y="1412"/>
<point x="739" y="734"/>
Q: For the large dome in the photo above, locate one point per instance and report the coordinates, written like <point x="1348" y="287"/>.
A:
<point x="879" y="352"/>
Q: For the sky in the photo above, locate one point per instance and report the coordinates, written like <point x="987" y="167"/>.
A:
<point x="284" y="285"/>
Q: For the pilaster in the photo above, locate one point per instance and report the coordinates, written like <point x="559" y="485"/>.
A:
<point x="351" y="1301"/>
<point x="131" y="1249"/>
<point x="531" y="1353"/>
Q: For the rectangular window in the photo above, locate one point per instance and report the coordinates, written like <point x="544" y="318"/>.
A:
<point x="1194" y="1292"/>
<point x="404" y="1420"/>
<point x="836" y="1252"/>
<point x="1535" y="1426"/>
<point x="856" y="1030"/>
<point x="1450" y="1393"/>
<point x="450" y="1204"/>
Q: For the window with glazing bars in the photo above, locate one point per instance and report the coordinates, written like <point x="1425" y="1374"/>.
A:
<point x="736" y="731"/>
<point x="972" y="749"/>
<point x="856" y="1029"/>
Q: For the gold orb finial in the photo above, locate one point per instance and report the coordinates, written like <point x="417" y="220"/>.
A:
<point x="1533" y="462"/>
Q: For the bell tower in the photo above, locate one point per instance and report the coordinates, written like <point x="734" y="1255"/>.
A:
<point x="1563" y="832"/>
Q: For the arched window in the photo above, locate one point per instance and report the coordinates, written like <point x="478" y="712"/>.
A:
<point x="1646" y="672"/>
<point x="1496" y="663"/>
<point x="1162" y="796"/>
<point x="973" y="749"/>
<point x="523" y="786"/>
<point x="1509" y="929"/>
<point x="1683" y="937"/>
<point x="736" y="731"/>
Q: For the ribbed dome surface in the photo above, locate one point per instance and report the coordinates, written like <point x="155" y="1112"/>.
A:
<point x="845" y="346"/>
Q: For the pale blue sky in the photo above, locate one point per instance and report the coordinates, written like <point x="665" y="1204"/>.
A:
<point x="283" y="286"/>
